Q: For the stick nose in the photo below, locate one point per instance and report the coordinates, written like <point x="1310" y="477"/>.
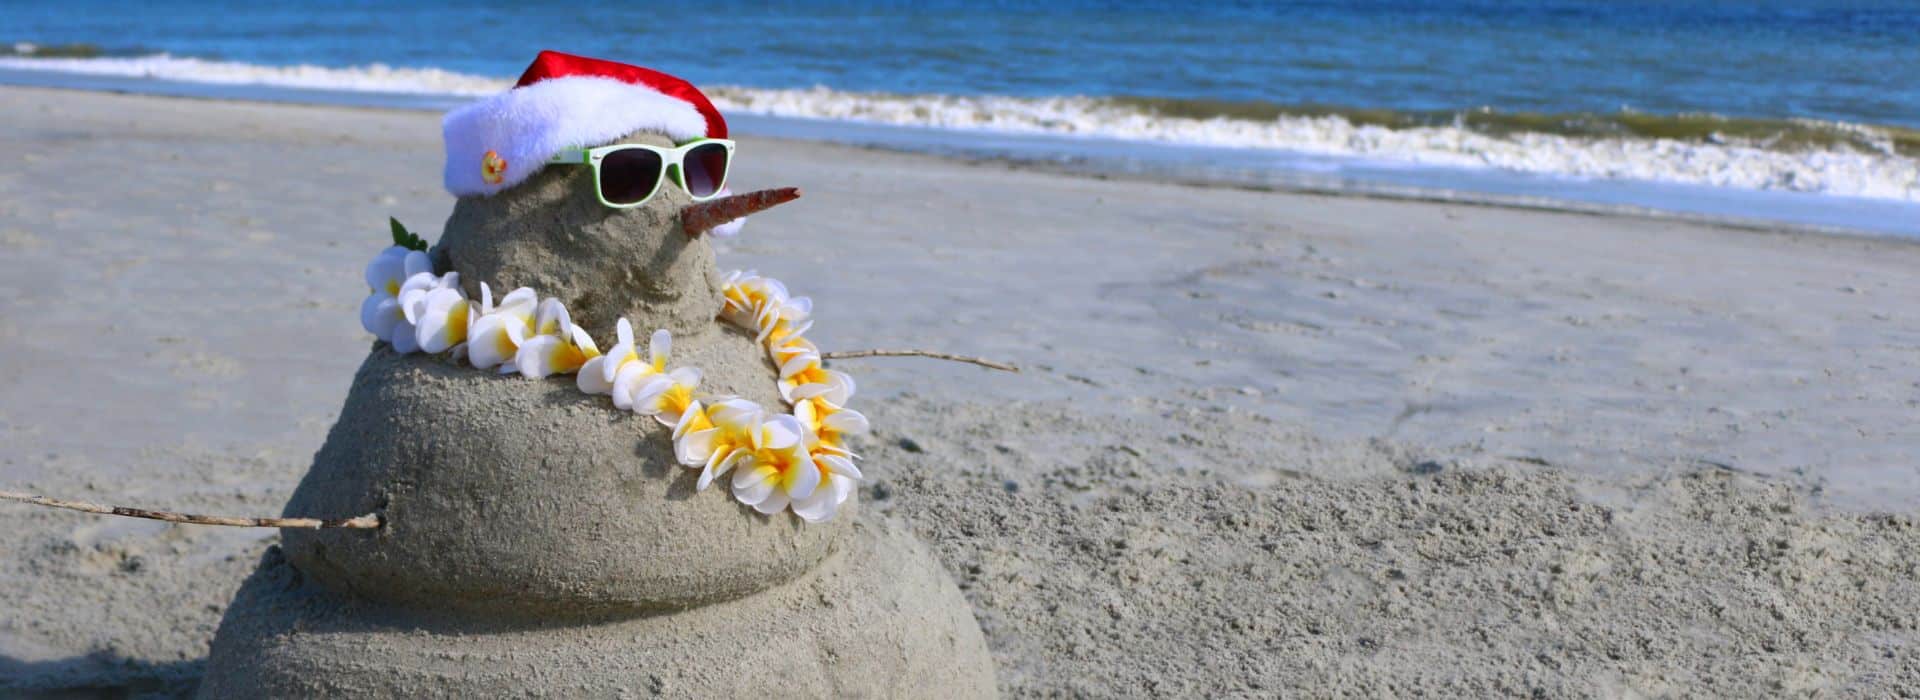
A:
<point x="700" y="218"/>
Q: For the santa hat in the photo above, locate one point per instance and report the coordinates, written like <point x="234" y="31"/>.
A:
<point x="564" y="101"/>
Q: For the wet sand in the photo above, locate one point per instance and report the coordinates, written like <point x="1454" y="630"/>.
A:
<point x="1265" y="442"/>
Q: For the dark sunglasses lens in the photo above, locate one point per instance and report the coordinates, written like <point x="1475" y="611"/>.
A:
<point x="629" y="175"/>
<point x="706" y="169"/>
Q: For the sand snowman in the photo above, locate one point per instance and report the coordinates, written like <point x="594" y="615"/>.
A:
<point x="656" y="499"/>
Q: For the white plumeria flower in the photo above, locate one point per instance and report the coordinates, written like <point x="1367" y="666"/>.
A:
<point x="385" y="275"/>
<point x="788" y="346"/>
<point x="553" y="319"/>
<point x="496" y="342"/>
<point x="783" y="337"/>
<point x="737" y="297"/>
<point x="630" y="373"/>
<point x="667" y="397"/>
<point x="597" y="375"/>
<point x="557" y="345"/>
<point x="393" y="266"/>
<point x="694" y="418"/>
<point x="837" y="480"/>
<point x="592" y="378"/>
<point x="440" y="319"/>
<point x="417" y="287"/>
<point x="496" y="333"/>
<point x="762" y="305"/>
<point x="829" y="422"/>
<point x="778" y="319"/>
<point x="403" y="335"/>
<point x="716" y="436"/>
<point x="767" y="455"/>
<point x="802" y="370"/>
<point x="519" y="302"/>
<point x="777" y="473"/>
<point x="748" y="298"/>
<point x="547" y="355"/>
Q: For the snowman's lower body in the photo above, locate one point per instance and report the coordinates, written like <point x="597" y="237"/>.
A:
<point x="879" y="618"/>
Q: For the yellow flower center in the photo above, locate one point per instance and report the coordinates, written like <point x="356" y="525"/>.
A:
<point x="568" y="358"/>
<point x="621" y="363"/>
<point x="503" y="343"/>
<point x="677" y="399"/>
<point x="782" y="464"/>
<point x="813" y="374"/>
<point x="457" y="320"/>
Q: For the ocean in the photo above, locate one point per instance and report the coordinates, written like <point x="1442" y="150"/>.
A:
<point x="1798" y="111"/>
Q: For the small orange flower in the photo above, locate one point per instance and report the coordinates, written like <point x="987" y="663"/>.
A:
<point x="493" y="168"/>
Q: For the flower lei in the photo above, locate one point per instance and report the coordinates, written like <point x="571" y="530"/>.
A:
<point x="796" y="459"/>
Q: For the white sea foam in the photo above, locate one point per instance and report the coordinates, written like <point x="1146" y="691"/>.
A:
<point x="1835" y="170"/>
<point x="1832" y="170"/>
<point x="375" y="78"/>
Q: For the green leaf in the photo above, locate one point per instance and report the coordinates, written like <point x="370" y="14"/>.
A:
<point x="404" y="238"/>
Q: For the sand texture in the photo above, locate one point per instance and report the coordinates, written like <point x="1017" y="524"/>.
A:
<point x="503" y="494"/>
<point x="1469" y="580"/>
<point x="880" y="619"/>
<point x="1265" y="443"/>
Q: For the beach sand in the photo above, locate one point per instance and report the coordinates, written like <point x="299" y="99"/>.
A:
<point x="1265" y="442"/>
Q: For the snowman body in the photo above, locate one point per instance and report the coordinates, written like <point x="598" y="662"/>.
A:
<point x="538" y="541"/>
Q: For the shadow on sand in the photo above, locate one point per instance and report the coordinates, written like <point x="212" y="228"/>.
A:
<point x="98" y="675"/>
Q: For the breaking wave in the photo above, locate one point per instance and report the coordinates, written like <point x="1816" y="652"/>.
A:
<point x="1789" y="155"/>
<point x="373" y="78"/>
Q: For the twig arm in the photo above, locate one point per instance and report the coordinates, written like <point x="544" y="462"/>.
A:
<point x="369" y="521"/>
<point x="851" y="354"/>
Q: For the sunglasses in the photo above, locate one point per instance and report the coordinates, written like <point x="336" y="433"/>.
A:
<point x="626" y="175"/>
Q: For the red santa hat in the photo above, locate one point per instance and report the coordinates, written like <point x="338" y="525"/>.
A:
<point x="564" y="101"/>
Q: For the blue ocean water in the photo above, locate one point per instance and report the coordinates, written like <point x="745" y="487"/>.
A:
<point x="1844" y="60"/>
<point x="1819" y="98"/>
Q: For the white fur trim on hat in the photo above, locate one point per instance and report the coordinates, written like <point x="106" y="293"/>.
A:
<point x="526" y="126"/>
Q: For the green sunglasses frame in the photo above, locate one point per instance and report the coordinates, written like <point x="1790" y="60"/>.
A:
<point x="671" y="161"/>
